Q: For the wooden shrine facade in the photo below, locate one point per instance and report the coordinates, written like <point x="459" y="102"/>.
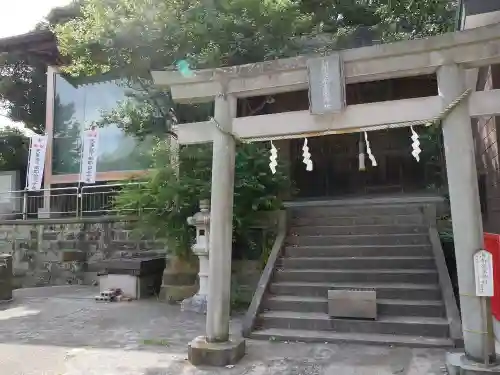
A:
<point x="336" y="169"/>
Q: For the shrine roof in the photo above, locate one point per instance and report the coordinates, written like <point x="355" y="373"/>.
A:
<point x="41" y="43"/>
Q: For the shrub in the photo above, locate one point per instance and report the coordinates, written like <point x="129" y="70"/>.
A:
<point x="172" y="191"/>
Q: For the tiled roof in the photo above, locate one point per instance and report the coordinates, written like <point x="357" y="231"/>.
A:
<point x="41" y="43"/>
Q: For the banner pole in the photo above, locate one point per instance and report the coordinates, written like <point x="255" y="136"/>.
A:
<point x="79" y="195"/>
<point x="26" y="183"/>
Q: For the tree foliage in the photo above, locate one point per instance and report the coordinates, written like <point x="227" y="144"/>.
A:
<point x="155" y="33"/>
<point x="142" y="34"/>
<point x="13" y="149"/>
<point x="22" y="89"/>
<point x="170" y="194"/>
<point x="388" y="19"/>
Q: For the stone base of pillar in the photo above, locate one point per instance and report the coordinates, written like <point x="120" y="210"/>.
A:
<point x="196" y="303"/>
<point x="220" y="354"/>
<point x="458" y="364"/>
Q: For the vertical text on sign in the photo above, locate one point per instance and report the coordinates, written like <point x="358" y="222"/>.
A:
<point x="36" y="162"/>
<point x="88" y="170"/>
<point x="483" y="272"/>
<point x="326" y="85"/>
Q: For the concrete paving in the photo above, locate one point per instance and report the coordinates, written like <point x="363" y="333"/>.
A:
<point x="63" y="331"/>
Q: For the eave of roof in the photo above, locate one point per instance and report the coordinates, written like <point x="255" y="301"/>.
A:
<point x="41" y="43"/>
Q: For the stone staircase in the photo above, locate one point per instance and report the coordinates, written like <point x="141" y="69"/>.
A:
<point x="385" y="247"/>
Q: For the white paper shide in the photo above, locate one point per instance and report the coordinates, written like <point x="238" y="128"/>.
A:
<point x="88" y="169"/>
<point x="36" y="162"/>
<point x="483" y="271"/>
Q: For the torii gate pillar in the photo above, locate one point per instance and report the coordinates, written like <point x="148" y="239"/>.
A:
<point x="467" y="225"/>
<point x="218" y="348"/>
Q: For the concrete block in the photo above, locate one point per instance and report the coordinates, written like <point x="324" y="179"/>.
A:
<point x="127" y="283"/>
<point x="352" y="304"/>
<point x="458" y="364"/>
<point x="220" y="354"/>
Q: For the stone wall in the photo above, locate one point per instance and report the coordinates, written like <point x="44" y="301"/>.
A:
<point x="67" y="251"/>
<point x="245" y="276"/>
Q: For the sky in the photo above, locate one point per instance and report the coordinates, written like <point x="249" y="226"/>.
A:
<point x="21" y="16"/>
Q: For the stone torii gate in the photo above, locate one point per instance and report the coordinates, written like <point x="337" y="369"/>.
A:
<point x="448" y="55"/>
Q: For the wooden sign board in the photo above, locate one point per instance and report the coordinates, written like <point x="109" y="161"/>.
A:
<point x="326" y="85"/>
<point x="483" y="272"/>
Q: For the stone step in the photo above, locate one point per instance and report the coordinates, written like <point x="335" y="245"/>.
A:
<point x="386" y="239"/>
<point x="404" y="291"/>
<point x="403" y="262"/>
<point x="386" y="307"/>
<point x="386" y="325"/>
<point x="355" y="210"/>
<point x="358" y="251"/>
<point x="394" y="307"/>
<point x="317" y="230"/>
<point x="364" y="276"/>
<point x="275" y="334"/>
<point x="350" y="220"/>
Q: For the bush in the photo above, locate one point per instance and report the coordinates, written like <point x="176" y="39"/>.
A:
<point x="169" y="195"/>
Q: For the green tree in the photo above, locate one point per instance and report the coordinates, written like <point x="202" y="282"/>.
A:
<point x="14" y="146"/>
<point x="13" y="149"/>
<point x="138" y="35"/>
<point x="143" y="34"/>
<point x="22" y="89"/>
<point x="387" y="19"/>
<point x="169" y="195"/>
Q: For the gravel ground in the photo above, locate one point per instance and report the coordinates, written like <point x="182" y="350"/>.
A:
<point x="63" y="331"/>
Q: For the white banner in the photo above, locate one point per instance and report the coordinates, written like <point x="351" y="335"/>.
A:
<point x="88" y="169"/>
<point x="36" y="162"/>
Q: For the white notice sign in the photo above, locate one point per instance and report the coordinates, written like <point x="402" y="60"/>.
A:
<point x="483" y="271"/>
<point x="36" y="162"/>
<point x="88" y="168"/>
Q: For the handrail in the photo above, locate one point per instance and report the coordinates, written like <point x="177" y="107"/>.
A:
<point x="450" y="302"/>
<point x="265" y="278"/>
<point x="70" y="220"/>
<point x="26" y="203"/>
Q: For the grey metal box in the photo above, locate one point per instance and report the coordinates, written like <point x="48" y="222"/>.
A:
<point x="343" y="303"/>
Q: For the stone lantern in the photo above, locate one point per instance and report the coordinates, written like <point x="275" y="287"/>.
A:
<point x="200" y="220"/>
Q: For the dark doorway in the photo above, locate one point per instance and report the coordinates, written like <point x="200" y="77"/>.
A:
<point x="336" y="165"/>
